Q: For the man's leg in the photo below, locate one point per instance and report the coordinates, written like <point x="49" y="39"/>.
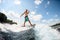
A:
<point x="30" y="23"/>
<point x="24" y="23"/>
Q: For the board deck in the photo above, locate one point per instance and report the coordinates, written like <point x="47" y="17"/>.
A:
<point x="30" y="26"/>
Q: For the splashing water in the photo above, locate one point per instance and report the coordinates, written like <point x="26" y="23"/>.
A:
<point x="13" y="28"/>
<point x="44" y="32"/>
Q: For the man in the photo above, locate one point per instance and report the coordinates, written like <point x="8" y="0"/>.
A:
<point x="26" y="17"/>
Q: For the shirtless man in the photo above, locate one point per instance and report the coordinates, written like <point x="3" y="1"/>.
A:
<point x="26" y="17"/>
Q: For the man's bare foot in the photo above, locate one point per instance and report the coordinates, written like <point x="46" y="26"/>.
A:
<point x="33" y="25"/>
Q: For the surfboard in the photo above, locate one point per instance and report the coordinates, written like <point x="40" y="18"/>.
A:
<point x="29" y="25"/>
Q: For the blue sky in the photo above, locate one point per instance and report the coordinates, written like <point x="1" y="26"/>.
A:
<point x="43" y="9"/>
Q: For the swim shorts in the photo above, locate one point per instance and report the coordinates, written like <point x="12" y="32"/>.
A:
<point x="26" y="18"/>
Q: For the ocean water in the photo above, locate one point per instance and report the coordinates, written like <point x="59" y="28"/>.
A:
<point x="45" y="32"/>
<point x="42" y="31"/>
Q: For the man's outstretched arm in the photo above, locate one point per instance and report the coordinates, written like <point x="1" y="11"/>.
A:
<point x="21" y="14"/>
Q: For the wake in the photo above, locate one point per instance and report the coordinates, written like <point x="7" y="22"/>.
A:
<point x="44" y="32"/>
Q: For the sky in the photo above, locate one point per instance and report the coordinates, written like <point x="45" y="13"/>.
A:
<point x="41" y="11"/>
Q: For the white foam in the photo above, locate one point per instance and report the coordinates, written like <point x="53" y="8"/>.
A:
<point x="14" y="28"/>
<point x="44" y="32"/>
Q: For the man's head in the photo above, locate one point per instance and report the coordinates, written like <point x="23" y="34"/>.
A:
<point x="26" y="10"/>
